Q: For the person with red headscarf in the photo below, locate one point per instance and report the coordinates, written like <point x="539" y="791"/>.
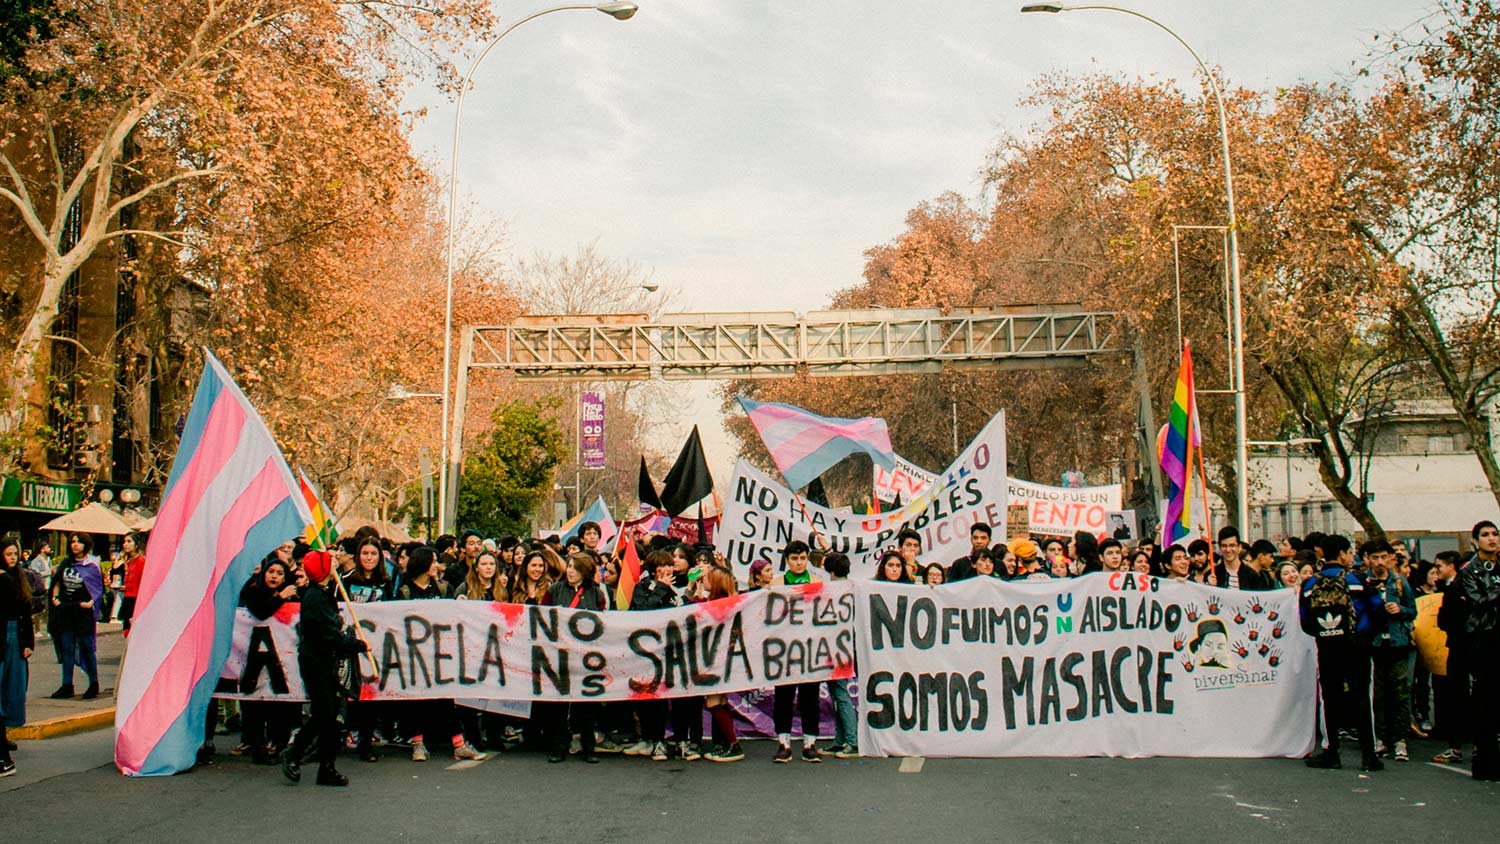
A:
<point x="321" y="642"/>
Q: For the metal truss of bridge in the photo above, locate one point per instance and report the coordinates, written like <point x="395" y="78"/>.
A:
<point x="779" y="344"/>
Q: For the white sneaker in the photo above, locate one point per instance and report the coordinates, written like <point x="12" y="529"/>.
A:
<point x="576" y="747"/>
<point x="640" y="748"/>
<point x="467" y="751"/>
<point x="687" y="752"/>
<point x="659" y="752"/>
<point x="418" y="751"/>
<point x="1401" y="754"/>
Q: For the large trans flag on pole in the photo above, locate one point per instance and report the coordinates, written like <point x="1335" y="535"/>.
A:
<point x="230" y="500"/>
<point x="804" y="444"/>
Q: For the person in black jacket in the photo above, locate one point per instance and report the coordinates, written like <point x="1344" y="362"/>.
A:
<point x="577" y="591"/>
<point x="655" y="593"/>
<point x="1451" y="692"/>
<point x="1480" y="584"/>
<point x="267" y="722"/>
<point x="321" y="642"/>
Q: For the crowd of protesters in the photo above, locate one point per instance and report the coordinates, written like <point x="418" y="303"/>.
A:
<point x="1359" y="608"/>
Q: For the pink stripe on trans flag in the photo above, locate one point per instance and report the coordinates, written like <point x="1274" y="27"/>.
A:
<point x="221" y="436"/>
<point x="183" y="667"/>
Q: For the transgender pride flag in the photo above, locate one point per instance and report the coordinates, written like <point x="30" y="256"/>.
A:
<point x="230" y="500"/>
<point x="804" y="444"/>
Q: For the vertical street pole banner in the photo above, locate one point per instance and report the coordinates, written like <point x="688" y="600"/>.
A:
<point x="1110" y="664"/>
<point x="591" y="429"/>
<point x="761" y="515"/>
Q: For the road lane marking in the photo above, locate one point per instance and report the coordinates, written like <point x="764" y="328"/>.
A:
<point x="1452" y="768"/>
<point x="912" y="764"/>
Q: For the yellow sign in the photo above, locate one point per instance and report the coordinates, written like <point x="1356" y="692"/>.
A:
<point x="1432" y="643"/>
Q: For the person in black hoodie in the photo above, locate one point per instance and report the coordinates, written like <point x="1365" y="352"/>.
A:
<point x="656" y="593"/>
<point x="577" y="591"/>
<point x="1450" y="693"/>
<point x="266" y="723"/>
<point x="321" y="642"/>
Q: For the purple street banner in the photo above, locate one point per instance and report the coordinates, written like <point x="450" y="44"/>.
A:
<point x="591" y="428"/>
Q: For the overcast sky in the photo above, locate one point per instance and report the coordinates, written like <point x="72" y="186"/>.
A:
<point x="747" y="153"/>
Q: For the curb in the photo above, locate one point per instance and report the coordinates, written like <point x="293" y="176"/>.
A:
<point x="66" y="725"/>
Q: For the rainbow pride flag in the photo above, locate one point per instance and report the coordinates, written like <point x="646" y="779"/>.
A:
<point x="804" y="445"/>
<point x="321" y="532"/>
<point x="1182" y="437"/>
<point x="230" y="500"/>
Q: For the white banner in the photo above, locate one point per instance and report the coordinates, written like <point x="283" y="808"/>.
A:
<point x="906" y="480"/>
<point x="1061" y="510"/>
<point x="761" y="515"/>
<point x="490" y="651"/>
<point x="1111" y="664"/>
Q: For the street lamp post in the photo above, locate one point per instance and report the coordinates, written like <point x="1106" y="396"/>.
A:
<point x="618" y="11"/>
<point x="1237" y="364"/>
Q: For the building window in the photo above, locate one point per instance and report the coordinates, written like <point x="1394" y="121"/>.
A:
<point x="1328" y="517"/>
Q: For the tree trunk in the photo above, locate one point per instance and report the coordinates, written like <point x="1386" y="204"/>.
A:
<point x="22" y="375"/>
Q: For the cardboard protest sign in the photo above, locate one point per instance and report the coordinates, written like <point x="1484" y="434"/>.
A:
<point x="761" y="515"/>
<point x="477" y="650"/>
<point x="1061" y="511"/>
<point x="1431" y="641"/>
<point x="1110" y="664"/>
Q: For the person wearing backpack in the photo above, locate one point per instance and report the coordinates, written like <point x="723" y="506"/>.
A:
<point x="1337" y="610"/>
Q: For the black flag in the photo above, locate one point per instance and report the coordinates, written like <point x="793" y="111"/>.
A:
<point x="688" y="481"/>
<point x="645" y="489"/>
<point x="816" y="494"/>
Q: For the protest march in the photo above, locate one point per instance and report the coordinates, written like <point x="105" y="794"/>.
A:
<point x="981" y="615"/>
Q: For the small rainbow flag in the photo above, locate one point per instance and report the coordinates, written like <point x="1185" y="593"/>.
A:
<point x="322" y="532"/>
<point x="1177" y="452"/>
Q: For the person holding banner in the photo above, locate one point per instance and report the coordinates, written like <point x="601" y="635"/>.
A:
<point x="321" y="642"/>
<point x="805" y="695"/>
<point x="421" y="584"/>
<point x="368" y="583"/>
<point x="720" y="584"/>
<point x="266" y="724"/>
<point x="909" y="543"/>
<point x="578" y="591"/>
<point x="534" y="581"/>
<point x="654" y="593"/>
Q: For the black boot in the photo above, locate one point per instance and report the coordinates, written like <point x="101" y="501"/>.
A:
<point x="1326" y="759"/>
<point x="328" y="775"/>
<point x="291" y="768"/>
<point x="62" y="693"/>
<point x="91" y="692"/>
<point x="1371" y="762"/>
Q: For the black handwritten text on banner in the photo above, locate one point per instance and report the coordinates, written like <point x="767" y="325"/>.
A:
<point x="761" y="516"/>
<point x="1111" y="664"/>
<point x="488" y="651"/>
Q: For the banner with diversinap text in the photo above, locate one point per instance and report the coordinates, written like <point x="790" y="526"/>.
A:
<point x="761" y="515"/>
<point x="1062" y="510"/>
<point x="1110" y="664"/>
<point x="477" y="650"/>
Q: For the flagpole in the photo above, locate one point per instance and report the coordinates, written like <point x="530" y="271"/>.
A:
<point x="358" y="631"/>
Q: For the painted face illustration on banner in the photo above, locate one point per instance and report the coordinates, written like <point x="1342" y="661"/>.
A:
<point x="1211" y="646"/>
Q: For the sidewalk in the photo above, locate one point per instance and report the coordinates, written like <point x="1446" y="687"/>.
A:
<point x="46" y="718"/>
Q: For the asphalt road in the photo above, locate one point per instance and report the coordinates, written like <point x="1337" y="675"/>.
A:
<point x="68" y="791"/>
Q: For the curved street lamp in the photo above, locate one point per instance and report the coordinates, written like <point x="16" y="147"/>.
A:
<point x="1237" y="365"/>
<point x="618" y="11"/>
